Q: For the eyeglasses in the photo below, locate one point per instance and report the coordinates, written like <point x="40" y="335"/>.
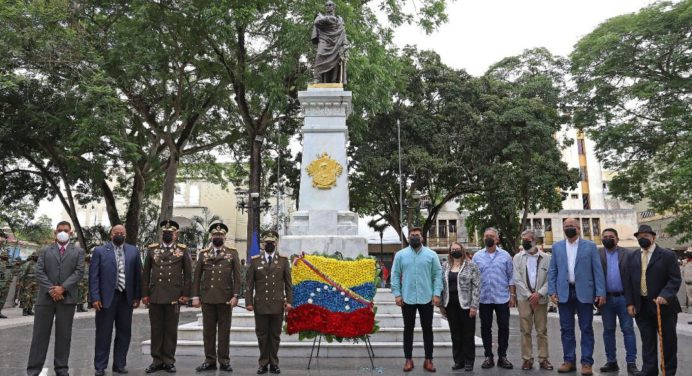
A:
<point x="456" y="249"/>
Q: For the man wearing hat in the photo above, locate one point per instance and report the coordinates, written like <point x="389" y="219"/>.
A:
<point x="216" y="288"/>
<point x="653" y="279"/>
<point x="269" y="292"/>
<point x="166" y="283"/>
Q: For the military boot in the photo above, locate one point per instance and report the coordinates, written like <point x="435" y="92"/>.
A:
<point x="30" y="311"/>
<point x="25" y="312"/>
<point x="80" y="308"/>
<point x="2" y="316"/>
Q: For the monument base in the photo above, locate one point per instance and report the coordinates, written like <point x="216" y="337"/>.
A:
<point x="324" y="231"/>
<point x="350" y="246"/>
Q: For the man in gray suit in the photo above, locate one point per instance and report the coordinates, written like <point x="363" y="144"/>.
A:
<point x="59" y="269"/>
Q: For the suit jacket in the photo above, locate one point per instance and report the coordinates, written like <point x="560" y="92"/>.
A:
<point x="589" y="280"/>
<point x="520" y="276"/>
<point x="622" y="263"/>
<point x="103" y="274"/>
<point x="269" y="286"/>
<point x="662" y="278"/>
<point x="52" y="269"/>
<point x="217" y="279"/>
<point x="166" y="275"/>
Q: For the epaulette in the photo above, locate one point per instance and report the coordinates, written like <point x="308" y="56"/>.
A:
<point x="153" y="245"/>
<point x="255" y="256"/>
<point x="181" y="246"/>
<point x="231" y="248"/>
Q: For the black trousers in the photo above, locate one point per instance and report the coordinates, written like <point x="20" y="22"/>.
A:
<point x="119" y="314"/>
<point x="647" y="321"/>
<point x="43" y="323"/>
<point x="502" y="313"/>
<point x="463" y="330"/>
<point x="164" y="332"/>
<point x="426" y="316"/>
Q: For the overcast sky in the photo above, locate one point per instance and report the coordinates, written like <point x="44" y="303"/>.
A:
<point x="479" y="33"/>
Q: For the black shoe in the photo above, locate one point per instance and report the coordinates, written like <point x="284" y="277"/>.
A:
<point x="25" y="312"/>
<point x="122" y="370"/>
<point x="80" y="308"/>
<point x="262" y="370"/>
<point x="226" y="367"/>
<point x="457" y="366"/>
<point x="488" y="363"/>
<point x="206" y="367"/>
<point x="468" y="368"/>
<point x="610" y="367"/>
<point x="31" y="312"/>
<point x="502" y="362"/>
<point x="99" y="373"/>
<point x="632" y="368"/>
<point x="154" y="368"/>
<point x="274" y="369"/>
<point x="2" y="316"/>
<point x="170" y="368"/>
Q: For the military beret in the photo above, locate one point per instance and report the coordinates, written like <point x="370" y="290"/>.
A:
<point x="270" y="236"/>
<point x="169" y="225"/>
<point x="218" y="228"/>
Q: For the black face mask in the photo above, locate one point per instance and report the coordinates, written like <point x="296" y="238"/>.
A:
<point x="608" y="243"/>
<point x="218" y="242"/>
<point x="570" y="232"/>
<point x="118" y="240"/>
<point x="644" y="243"/>
<point x="456" y="254"/>
<point x="526" y="245"/>
<point x="167" y="237"/>
<point x="489" y="242"/>
<point x="414" y="241"/>
<point x="269" y="247"/>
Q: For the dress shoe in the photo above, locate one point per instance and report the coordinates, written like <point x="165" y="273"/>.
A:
<point x="610" y="367"/>
<point x="122" y="370"/>
<point x="31" y="312"/>
<point x="586" y="369"/>
<point x="632" y="368"/>
<point x="80" y="308"/>
<point x="170" y="368"/>
<point x="153" y="368"/>
<point x="408" y="366"/>
<point x="545" y="364"/>
<point x="262" y="370"/>
<point x="527" y="365"/>
<point x="274" y="369"/>
<point x="502" y="362"/>
<point x="567" y="367"/>
<point x="488" y="363"/>
<point x="99" y="372"/>
<point x="468" y="368"/>
<point x="206" y="367"/>
<point x="457" y="367"/>
<point x="226" y="367"/>
<point x="428" y="365"/>
<point x="2" y="316"/>
<point x="25" y="312"/>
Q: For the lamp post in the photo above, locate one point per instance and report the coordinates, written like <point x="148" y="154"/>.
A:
<point x="253" y="207"/>
<point x="379" y="227"/>
<point x="412" y="203"/>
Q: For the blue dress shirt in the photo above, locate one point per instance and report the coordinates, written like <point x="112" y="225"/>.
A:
<point x="416" y="275"/>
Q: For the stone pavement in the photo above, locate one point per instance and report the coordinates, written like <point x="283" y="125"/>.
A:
<point x="15" y="338"/>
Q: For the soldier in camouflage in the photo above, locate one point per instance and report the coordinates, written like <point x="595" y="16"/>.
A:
<point x="28" y="284"/>
<point x="6" y="274"/>
<point x="84" y="286"/>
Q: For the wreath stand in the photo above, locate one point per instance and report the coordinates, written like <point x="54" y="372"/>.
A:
<point x="368" y="347"/>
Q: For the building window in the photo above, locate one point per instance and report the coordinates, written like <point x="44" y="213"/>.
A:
<point x="596" y="222"/>
<point x="537" y="225"/>
<point x="581" y="147"/>
<point x="442" y="228"/>
<point x="585" y="201"/>
<point x="574" y="196"/>
<point x="453" y="226"/>
<point x="585" y="227"/>
<point x="179" y="196"/>
<point x="583" y="173"/>
<point x="548" y="225"/>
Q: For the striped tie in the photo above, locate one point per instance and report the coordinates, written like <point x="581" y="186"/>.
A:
<point x="121" y="269"/>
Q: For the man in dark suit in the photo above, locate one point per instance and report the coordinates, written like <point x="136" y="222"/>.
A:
<point x="653" y="278"/>
<point x="166" y="284"/>
<point x="615" y="270"/>
<point x="58" y="271"/>
<point x="115" y="283"/>
<point x="269" y="292"/>
<point x="216" y="287"/>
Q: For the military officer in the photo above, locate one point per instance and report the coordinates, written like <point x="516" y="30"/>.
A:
<point x="216" y="287"/>
<point x="166" y="283"/>
<point x="269" y="292"/>
<point x="5" y="279"/>
<point x="29" y="285"/>
<point x="84" y="286"/>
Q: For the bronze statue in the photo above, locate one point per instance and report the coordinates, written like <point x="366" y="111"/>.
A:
<point x="329" y="34"/>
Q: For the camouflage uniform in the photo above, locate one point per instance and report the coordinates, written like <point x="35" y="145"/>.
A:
<point x="29" y="285"/>
<point x="5" y="280"/>
<point x="84" y="286"/>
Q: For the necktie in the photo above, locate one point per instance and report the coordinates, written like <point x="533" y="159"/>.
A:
<point x="645" y="263"/>
<point x="121" y="269"/>
<point x="270" y="259"/>
<point x="62" y="250"/>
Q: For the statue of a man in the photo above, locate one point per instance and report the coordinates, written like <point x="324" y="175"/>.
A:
<point x="329" y="34"/>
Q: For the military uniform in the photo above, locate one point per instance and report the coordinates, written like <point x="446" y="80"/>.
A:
<point x="6" y="275"/>
<point x="29" y="285"/>
<point x="84" y="286"/>
<point x="269" y="288"/>
<point x="216" y="283"/>
<point x="166" y="278"/>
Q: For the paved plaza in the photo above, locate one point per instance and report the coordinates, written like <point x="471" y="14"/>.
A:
<point x="15" y="338"/>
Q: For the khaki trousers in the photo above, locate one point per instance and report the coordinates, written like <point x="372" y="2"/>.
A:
<point x="530" y="317"/>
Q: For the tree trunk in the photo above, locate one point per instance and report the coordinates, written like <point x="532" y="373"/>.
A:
<point x="73" y="216"/>
<point x="255" y="185"/>
<point x="134" y="208"/>
<point x="169" y="186"/>
<point x="109" y="199"/>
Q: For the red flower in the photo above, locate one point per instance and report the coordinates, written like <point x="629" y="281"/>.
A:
<point x="309" y="317"/>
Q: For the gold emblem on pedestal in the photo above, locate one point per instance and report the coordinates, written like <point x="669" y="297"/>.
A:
<point x="324" y="171"/>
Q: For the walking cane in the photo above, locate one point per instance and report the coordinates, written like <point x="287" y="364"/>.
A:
<point x="660" y="338"/>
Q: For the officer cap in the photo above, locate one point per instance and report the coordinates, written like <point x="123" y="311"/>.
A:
<point x="169" y="225"/>
<point x="218" y="229"/>
<point x="270" y="236"/>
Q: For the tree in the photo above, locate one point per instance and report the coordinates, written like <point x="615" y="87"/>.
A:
<point x="633" y="90"/>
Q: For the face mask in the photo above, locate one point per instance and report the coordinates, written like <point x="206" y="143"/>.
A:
<point x="644" y="243"/>
<point x="269" y="247"/>
<point x="456" y="254"/>
<point x="218" y="242"/>
<point x="609" y="243"/>
<point x="118" y="240"/>
<point x="63" y="237"/>
<point x="414" y="241"/>
<point x="526" y="245"/>
<point x="570" y="232"/>
<point x="167" y="237"/>
<point x="489" y="242"/>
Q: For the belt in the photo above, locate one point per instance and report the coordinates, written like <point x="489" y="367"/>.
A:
<point x="615" y="294"/>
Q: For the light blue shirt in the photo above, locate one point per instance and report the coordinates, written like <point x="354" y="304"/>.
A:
<point x="613" y="280"/>
<point x="497" y="274"/>
<point x="416" y="276"/>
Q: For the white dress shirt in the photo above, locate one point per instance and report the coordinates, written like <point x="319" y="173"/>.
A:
<point x="532" y="269"/>
<point x="571" y="257"/>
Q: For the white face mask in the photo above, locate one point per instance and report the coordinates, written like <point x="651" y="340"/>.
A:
<point x="63" y="237"/>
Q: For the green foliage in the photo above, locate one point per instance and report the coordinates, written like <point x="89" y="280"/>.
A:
<point x="633" y="97"/>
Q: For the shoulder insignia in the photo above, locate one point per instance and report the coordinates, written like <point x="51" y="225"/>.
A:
<point x="181" y="246"/>
<point x="153" y="245"/>
<point x="255" y="257"/>
<point x="231" y="249"/>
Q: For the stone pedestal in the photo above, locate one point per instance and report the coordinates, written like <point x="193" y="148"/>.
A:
<point x="323" y="222"/>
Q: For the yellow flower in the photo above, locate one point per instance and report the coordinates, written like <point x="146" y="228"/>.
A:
<point x="348" y="274"/>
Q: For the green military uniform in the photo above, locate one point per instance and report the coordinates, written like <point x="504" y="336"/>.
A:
<point x="269" y="288"/>
<point x="84" y="286"/>
<point x="243" y="277"/>
<point x="6" y="275"/>
<point x="29" y="285"/>
<point x="166" y="282"/>
<point x="216" y="283"/>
